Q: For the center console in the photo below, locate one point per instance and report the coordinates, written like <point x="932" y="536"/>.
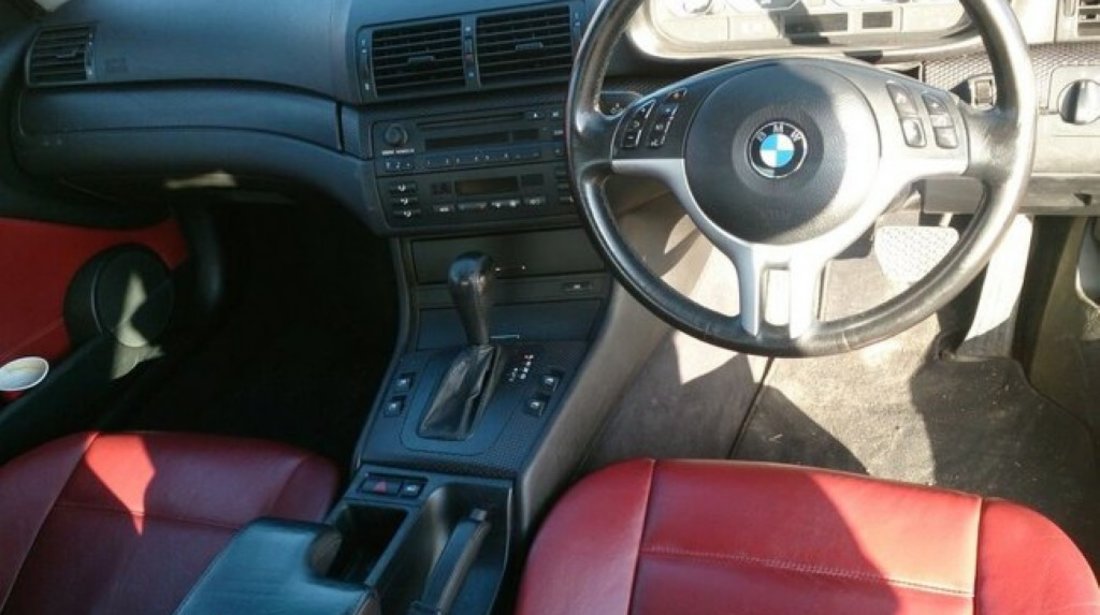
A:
<point x="505" y="164"/>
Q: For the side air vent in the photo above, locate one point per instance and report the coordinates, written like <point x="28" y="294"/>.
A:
<point x="418" y="58"/>
<point x="61" y="56"/>
<point x="1088" y="17"/>
<point x="527" y="46"/>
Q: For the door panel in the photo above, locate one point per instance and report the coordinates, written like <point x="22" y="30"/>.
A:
<point x="38" y="262"/>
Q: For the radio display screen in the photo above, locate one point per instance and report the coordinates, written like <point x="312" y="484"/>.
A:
<point x="491" y="138"/>
<point x="486" y="186"/>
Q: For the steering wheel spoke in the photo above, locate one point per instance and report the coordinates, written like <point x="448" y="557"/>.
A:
<point x="778" y="290"/>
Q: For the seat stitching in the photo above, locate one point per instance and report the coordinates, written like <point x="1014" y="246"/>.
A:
<point x="148" y="515"/>
<point x="974" y="602"/>
<point x="804" y="568"/>
<point x="641" y="535"/>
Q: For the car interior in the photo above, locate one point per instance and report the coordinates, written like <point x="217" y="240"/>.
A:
<point x="585" y="307"/>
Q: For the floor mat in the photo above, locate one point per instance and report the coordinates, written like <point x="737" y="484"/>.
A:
<point x="304" y="346"/>
<point x="896" y="411"/>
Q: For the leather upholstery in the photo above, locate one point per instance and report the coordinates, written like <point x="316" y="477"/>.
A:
<point x="127" y="523"/>
<point x="697" y="538"/>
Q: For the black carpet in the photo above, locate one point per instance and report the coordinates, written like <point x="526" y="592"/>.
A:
<point x="303" y="345"/>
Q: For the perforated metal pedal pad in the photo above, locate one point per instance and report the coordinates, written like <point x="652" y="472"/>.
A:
<point x="907" y="253"/>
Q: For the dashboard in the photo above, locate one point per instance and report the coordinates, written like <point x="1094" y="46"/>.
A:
<point x="425" y="117"/>
<point x="681" y="27"/>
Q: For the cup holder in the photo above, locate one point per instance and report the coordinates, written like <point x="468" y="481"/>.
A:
<point x="367" y="532"/>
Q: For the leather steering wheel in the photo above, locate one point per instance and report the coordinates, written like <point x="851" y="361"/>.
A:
<point x="784" y="163"/>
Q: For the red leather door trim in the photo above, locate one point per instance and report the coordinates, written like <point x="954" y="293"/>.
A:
<point x="38" y="261"/>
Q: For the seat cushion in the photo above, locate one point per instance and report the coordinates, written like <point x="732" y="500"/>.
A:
<point x="127" y="523"/>
<point x="650" y="537"/>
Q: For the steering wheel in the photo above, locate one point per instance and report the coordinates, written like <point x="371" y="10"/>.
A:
<point x="783" y="163"/>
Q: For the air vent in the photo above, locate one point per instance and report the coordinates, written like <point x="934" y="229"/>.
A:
<point x="1088" y="17"/>
<point x="418" y="58"/>
<point x="528" y="46"/>
<point x="61" y="56"/>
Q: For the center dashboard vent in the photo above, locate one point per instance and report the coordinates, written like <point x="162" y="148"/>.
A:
<point x="418" y="58"/>
<point x="61" y="56"/>
<point x="1088" y="17"/>
<point x="525" y="46"/>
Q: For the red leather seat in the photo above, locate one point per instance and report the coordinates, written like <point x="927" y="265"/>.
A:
<point x="695" y="538"/>
<point x="127" y="523"/>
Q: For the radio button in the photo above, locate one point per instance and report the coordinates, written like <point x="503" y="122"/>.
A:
<point x="438" y="162"/>
<point x="396" y="135"/>
<point x="473" y="206"/>
<point x="397" y="188"/>
<point x="505" y="204"/>
<point x="535" y="116"/>
<point x="443" y="209"/>
<point x="534" y="201"/>
<point x="406" y="214"/>
<point x="392" y="166"/>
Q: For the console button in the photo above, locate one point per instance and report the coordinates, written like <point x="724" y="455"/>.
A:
<point x="903" y="100"/>
<point x="404" y="383"/>
<point x="407" y="214"/>
<point x="550" y="382"/>
<point x="404" y="201"/>
<point x="396" y="135"/>
<point x="446" y="208"/>
<point x="535" y="406"/>
<point x="411" y="489"/>
<point x="534" y="201"/>
<point x="913" y="130"/>
<point x="381" y="485"/>
<point x="403" y="188"/>
<point x="473" y="206"/>
<point x="392" y="166"/>
<point x="393" y="407"/>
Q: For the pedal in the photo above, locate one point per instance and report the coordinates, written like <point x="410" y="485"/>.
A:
<point x="907" y="253"/>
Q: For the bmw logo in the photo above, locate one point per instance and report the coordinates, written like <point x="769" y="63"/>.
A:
<point x="777" y="149"/>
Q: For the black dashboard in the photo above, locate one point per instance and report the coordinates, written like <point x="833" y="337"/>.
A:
<point x="429" y="117"/>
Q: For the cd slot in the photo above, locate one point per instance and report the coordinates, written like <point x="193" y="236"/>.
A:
<point x="526" y="135"/>
<point x="464" y="122"/>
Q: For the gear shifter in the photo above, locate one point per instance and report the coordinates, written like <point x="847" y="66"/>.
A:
<point x="469" y="382"/>
<point x="469" y="280"/>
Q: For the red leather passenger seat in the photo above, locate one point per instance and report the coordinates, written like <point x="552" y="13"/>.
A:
<point x="127" y="523"/>
<point x="699" y="538"/>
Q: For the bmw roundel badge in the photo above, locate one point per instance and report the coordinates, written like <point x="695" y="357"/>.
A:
<point x="777" y="149"/>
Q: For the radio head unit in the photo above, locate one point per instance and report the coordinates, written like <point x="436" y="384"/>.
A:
<point x="473" y="168"/>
